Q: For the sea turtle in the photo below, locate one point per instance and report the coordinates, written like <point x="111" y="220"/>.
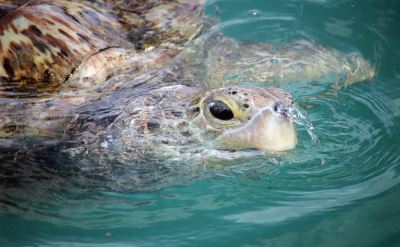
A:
<point x="127" y="80"/>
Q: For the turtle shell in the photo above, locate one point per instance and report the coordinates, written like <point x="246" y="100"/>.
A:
<point x="45" y="41"/>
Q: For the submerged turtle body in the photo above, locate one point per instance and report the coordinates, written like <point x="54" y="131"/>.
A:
<point x="139" y="77"/>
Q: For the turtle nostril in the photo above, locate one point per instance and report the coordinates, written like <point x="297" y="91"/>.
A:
<point x="278" y="107"/>
<point x="281" y="108"/>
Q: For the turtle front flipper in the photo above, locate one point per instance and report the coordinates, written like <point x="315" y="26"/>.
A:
<point x="216" y="60"/>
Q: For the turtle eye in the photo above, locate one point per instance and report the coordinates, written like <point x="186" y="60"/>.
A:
<point x="220" y="110"/>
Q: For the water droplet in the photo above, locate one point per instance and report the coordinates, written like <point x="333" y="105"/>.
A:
<point x="254" y="12"/>
<point x="301" y="118"/>
<point x="274" y="60"/>
<point x="104" y="144"/>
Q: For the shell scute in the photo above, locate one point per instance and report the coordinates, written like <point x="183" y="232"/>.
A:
<point x="43" y="41"/>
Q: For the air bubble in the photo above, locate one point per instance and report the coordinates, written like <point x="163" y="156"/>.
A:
<point x="254" y="12"/>
<point x="301" y="118"/>
<point x="274" y="60"/>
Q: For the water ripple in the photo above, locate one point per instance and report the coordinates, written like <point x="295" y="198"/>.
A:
<point x="357" y="159"/>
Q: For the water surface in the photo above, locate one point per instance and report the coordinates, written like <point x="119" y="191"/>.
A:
<point x="342" y="191"/>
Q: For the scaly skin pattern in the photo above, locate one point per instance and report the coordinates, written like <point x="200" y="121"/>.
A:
<point x="167" y="122"/>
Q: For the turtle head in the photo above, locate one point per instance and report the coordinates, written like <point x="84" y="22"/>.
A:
<point x="247" y="117"/>
<point x="180" y="121"/>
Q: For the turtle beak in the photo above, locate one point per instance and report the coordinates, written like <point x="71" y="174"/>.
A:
<point x="271" y="130"/>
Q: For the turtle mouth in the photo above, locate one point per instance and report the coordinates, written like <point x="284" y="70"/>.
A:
<point x="271" y="130"/>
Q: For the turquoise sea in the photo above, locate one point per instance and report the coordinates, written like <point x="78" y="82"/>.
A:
<point x="342" y="191"/>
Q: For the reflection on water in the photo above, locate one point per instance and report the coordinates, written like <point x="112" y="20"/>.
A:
<point x="318" y="201"/>
<point x="341" y="190"/>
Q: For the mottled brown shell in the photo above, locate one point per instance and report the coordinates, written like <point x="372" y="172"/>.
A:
<point x="45" y="41"/>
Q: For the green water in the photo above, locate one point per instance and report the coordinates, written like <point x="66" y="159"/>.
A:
<point x="344" y="191"/>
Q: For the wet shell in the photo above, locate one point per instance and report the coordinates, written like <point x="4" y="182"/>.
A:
<point x="45" y="41"/>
